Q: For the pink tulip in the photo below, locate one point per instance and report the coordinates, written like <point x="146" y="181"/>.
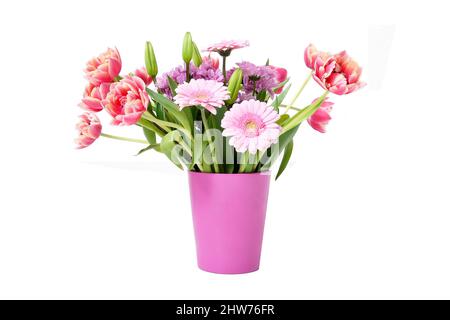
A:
<point x="104" y="68"/>
<point x="142" y="73"/>
<point x="310" y="56"/>
<point x="127" y="100"/>
<point x="281" y="75"/>
<point x="89" y="128"/>
<point x="324" y="65"/>
<point x="337" y="73"/>
<point x="321" y="63"/>
<point x="345" y="78"/>
<point x="319" y="120"/>
<point x="213" y="61"/>
<point x="93" y="96"/>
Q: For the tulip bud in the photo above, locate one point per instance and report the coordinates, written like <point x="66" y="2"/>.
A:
<point x="197" y="57"/>
<point x="187" y="48"/>
<point x="234" y="85"/>
<point x="150" y="60"/>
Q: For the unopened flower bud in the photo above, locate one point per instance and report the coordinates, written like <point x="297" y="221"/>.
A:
<point x="188" y="48"/>
<point x="197" y="57"/>
<point x="150" y="60"/>
<point x="234" y="85"/>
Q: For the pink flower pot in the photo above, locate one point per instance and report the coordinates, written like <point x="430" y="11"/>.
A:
<point x="229" y="212"/>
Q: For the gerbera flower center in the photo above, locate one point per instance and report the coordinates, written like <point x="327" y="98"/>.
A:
<point x="251" y="128"/>
<point x="202" y="96"/>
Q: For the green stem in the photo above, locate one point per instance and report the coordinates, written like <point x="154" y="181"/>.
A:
<point x="224" y="69"/>
<point x="211" y="147"/>
<point x="303" y="114"/>
<point x="298" y="93"/>
<point x="163" y="124"/>
<point x="243" y="164"/>
<point x="254" y="88"/>
<point x="188" y="71"/>
<point x="206" y="167"/>
<point x="252" y="163"/>
<point x="148" y="125"/>
<point x="185" y="147"/>
<point x="285" y="106"/>
<point x="123" y="138"/>
<point x="257" y="159"/>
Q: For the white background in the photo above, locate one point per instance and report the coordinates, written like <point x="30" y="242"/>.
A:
<point x="362" y="211"/>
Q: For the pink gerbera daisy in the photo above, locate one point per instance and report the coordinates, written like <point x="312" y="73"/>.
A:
<point x="251" y="125"/>
<point x="209" y="94"/>
<point x="227" y="46"/>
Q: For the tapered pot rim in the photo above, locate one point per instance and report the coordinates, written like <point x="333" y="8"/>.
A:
<point x="264" y="173"/>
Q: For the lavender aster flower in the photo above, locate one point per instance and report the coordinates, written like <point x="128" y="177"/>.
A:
<point x="258" y="78"/>
<point x="208" y="71"/>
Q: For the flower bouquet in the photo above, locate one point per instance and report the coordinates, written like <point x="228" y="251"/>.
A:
<point x="226" y="125"/>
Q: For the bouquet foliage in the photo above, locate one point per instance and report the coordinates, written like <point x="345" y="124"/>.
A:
<point x="206" y="115"/>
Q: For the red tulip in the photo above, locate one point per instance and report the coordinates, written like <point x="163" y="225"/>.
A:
<point x="319" y="120"/>
<point x="281" y="75"/>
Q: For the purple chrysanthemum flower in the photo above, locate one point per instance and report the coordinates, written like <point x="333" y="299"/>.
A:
<point x="258" y="78"/>
<point x="207" y="71"/>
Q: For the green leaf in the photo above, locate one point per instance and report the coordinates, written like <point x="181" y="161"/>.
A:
<point x="283" y="119"/>
<point x="279" y="98"/>
<point x="150" y="147"/>
<point x="168" y="144"/>
<point x="217" y="119"/>
<point x="267" y="62"/>
<point x="199" y="147"/>
<point x="159" y="111"/>
<point x="283" y="141"/>
<point x="303" y="114"/>
<point x="282" y="84"/>
<point x="189" y="113"/>
<point x="172" y="85"/>
<point x="150" y="136"/>
<point x="150" y="126"/>
<point x="286" y="157"/>
<point x="262" y="96"/>
<point x="172" y="109"/>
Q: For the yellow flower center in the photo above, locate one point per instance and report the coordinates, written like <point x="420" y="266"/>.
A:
<point x="251" y="128"/>
<point x="251" y="125"/>
<point x="202" y="96"/>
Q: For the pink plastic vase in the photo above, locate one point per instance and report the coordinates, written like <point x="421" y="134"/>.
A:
<point x="229" y="212"/>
